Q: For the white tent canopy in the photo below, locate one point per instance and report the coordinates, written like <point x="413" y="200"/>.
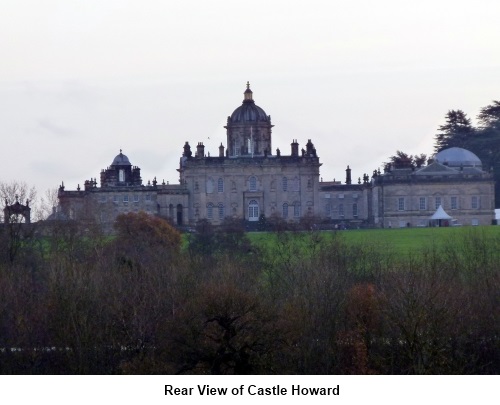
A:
<point x="440" y="214"/>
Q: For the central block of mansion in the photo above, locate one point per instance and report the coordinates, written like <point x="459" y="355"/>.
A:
<point x="248" y="179"/>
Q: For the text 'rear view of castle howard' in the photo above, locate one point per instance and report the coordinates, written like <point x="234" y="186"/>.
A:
<point x="251" y="179"/>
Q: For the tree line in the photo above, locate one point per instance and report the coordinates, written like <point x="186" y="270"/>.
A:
<point x="150" y="300"/>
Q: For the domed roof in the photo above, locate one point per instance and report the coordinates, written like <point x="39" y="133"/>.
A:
<point x="248" y="111"/>
<point x="456" y="157"/>
<point x="121" y="160"/>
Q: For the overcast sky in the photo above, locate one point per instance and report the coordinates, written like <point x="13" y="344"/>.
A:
<point x="80" y="80"/>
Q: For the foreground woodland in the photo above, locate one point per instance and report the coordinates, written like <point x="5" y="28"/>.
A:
<point x="148" y="300"/>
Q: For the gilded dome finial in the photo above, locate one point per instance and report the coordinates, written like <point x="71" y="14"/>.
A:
<point x="248" y="93"/>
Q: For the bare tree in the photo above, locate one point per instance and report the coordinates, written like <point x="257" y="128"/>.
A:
<point x="47" y="203"/>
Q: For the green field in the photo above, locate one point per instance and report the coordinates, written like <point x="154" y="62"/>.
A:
<point x="401" y="241"/>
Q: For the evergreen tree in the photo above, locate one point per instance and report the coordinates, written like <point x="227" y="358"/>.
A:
<point x="489" y="116"/>
<point x="487" y="142"/>
<point x="458" y="131"/>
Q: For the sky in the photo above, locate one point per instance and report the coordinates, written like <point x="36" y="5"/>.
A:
<point x="80" y="80"/>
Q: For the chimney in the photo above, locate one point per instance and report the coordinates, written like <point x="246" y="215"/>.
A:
<point x="295" y="148"/>
<point x="200" y="150"/>
<point x="221" y="150"/>
<point x="348" y="176"/>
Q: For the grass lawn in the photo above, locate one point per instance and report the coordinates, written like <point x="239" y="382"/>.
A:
<point x="402" y="241"/>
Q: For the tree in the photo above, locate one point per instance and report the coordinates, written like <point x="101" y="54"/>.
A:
<point x="402" y="160"/>
<point x="138" y="233"/>
<point x="458" y="131"/>
<point x="489" y="116"/>
<point x="47" y="204"/>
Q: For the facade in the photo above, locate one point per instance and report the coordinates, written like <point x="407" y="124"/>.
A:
<point x="454" y="180"/>
<point x="247" y="180"/>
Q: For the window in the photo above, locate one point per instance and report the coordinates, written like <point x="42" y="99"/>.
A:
<point x="103" y="199"/>
<point x="296" y="184"/>
<point x="221" y="211"/>
<point x="437" y="202"/>
<point x="253" y="210"/>
<point x="121" y="175"/>
<point x="125" y="198"/>
<point x="250" y="146"/>
<point x="136" y="198"/>
<point x="285" y="210"/>
<point x="341" y="210"/>
<point x="115" y="198"/>
<point x="401" y="204"/>
<point x="296" y="209"/>
<point x="475" y="202"/>
<point x="454" y="203"/>
<point x="475" y="222"/>
<point x="210" y="211"/>
<point x="285" y="184"/>
<point x="210" y="186"/>
<point x="148" y="197"/>
<point x="236" y="151"/>
<point x="328" y="209"/>
<point x="220" y="185"/>
<point x="252" y="183"/>
<point x="422" y="203"/>
<point x="355" y="210"/>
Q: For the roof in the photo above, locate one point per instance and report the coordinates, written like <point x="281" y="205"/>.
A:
<point x="440" y="214"/>
<point x="121" y="160"/>
<point x="249" y="111"/>
<point x="456" y="157"/>
<point x="435" y="168"/>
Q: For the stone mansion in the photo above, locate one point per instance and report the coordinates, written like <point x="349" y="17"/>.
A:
<point x="249" y="179"/>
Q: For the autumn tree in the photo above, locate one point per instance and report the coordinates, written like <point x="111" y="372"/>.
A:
<point x="137" y="233"/>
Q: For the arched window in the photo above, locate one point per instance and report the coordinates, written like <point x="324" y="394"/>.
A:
<point x="210" y="211"/>
<point x="296" y="209"/>
<point x="285" y="210"/>
<point x="285" y="184"/>
<point x="220" y="185"/>
<point x="253" y="210"/>
<point x="121" y="175"/>
<point x="221" y="211"/>
<point x="210" y="186"/>
<point x="252" y="183"/>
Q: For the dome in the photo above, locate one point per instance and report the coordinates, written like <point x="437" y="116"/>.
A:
<point x="248" y="111"/>
<point x="456" y="157"/>
<point x="121" y="160"/>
